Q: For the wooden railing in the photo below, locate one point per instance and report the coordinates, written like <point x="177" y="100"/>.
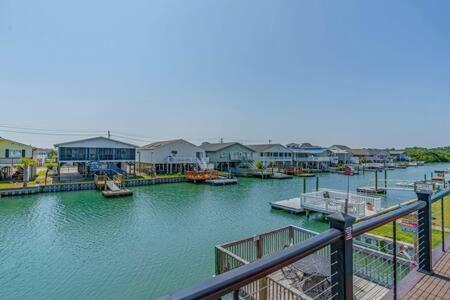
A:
<point x="202" y="175"/>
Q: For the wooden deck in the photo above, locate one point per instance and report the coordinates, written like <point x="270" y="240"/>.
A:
<point x="291" y="205"/>
<point x="222" y="181"/>
<point x="436" y="286"/>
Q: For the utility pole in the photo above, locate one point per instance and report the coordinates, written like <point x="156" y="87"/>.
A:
<point x="270" y="141"/>
<point x="221" y="140"/>
<point x="109" y="134"/>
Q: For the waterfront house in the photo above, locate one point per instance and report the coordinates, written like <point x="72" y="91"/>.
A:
<point x="312" y="157"/>
<point x="399" y="156"/>
<point x="379" y="155"/>
<point x="371" y="155"/>
<point x="270" y="155"/>
<point x="41" y="155"/>
<point x="361" y="155"/>
<point x="97" y="155"/>
<point x="11" y="153"/>
<point x="173" y="156"/>
<point x="225" y="156"/>
<point x="342" y="154"/>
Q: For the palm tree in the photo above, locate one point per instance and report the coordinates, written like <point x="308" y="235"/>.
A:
<point x="49" y="168"/>
<point x="26" y="163"/>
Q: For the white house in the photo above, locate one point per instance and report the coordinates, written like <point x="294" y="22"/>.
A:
<point x="312" y="157"/>
<point x="343" y="154"/>
<point x="173" y="156"/>
<point x="272" y="154"/>
<point x="41" y="155"/>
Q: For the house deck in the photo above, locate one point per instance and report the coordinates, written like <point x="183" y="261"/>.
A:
<point x="436" y="286"/>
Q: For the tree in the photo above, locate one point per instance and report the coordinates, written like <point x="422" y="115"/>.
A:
<point x="259" y="165"/>
<point x="49" y="167"/>
<point x="26" y="163"/>
<point x="52" y="155"/>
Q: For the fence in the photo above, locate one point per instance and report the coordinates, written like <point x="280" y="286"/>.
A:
<point x="330" y="201"/>
<point x="293" y="263"/>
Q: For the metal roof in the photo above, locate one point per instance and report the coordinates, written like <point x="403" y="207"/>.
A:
<point x="263" y="147"/>
<point x="213" y="147"/>
<point x="94" y="138"/>
<point x="155" y="145"/>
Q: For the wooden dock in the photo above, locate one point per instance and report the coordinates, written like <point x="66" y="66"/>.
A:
<point x="281" y="176"/>
<point x="118" y="193"/>
<point x="222" y="181"/>
<point x="306" y="175"/>
<point x="291" y="205"/>
<point x="371" y="190"/>
<point x="201" y="176"/>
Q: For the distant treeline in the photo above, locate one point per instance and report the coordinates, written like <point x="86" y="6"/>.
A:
<point x="430" y="155"/>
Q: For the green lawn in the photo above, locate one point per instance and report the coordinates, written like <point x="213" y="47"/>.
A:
<point x="437" y="212"/>
<point x="407" y="237"/>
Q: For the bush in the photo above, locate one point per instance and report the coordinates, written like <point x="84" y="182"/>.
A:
<point x="259" y="165"/>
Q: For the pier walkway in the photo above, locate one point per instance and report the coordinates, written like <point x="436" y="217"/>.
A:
<point x="436" y="286"/>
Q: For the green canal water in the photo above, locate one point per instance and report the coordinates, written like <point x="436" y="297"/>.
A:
<point x="79" y="245"/>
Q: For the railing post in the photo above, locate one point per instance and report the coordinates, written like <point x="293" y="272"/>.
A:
<point x="218" y="261"/>
<point x="394" y="258"/>
<point x="291" y="235"/>
<point x="425" y="233"/>
<point x="342" y="257"/>
<point x="443" y="224"/>
<point x="263" y="281"/>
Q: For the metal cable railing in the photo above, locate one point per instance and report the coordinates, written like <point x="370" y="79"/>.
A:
<point x="292" y="263"/>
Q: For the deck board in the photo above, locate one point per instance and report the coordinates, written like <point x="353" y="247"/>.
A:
<point x="436" y="286"/>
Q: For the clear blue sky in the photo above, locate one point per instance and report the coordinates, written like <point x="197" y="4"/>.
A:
<point x="361" y="73"/>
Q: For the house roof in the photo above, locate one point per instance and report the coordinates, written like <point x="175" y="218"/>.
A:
<point x="368" y="152"/>
<point x="95" y="138"/>
<point x="293" y="145"/>
<point x="360" y="152"/>
<point x="342" y="147"/>
<point x="378" y="152"/>
<point x="308" y="145"/>
<point x="11" y="141"/>
<point x="214" y="147"/>
<point x="394" y="152"/>
<point x="338" y="150"/>
<point x="312" y="150"/>
<point x="263" y="147"/>
<point x="156" y="145"/>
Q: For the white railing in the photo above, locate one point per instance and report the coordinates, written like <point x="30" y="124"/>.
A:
<point x="181" y="159"/>
<point x="329" y="201"/>
<point x="273" y="158"/>
<point x="314" y="159"/>
<point x="9" y="161"/>
<point x="241" y="156"/>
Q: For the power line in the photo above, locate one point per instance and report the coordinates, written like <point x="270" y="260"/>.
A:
<point x="34" y="128"/>
<point x="46" y="133"/>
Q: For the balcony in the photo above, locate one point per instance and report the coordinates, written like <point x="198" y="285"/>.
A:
<point x="185" y="160"/>
<point x="276" y="158"/>
<point x="240" y="156"/>
<point x="4" y="162"/>
<point x="314" y="159"/>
